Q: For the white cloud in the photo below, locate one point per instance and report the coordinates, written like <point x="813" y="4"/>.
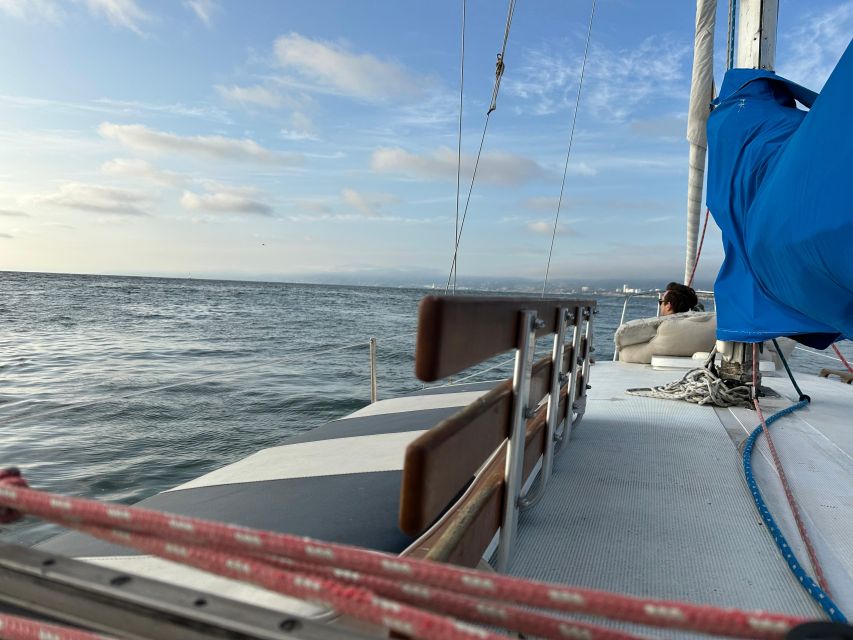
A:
<point x="94" y="198"/>
<point x="8" y="213"/>
<point x="368" y="204"/>
<point x="120" y="13"/>
<point x="496" y="167"/>
<point x="203" y="9"/>
<point x="7" y="236"/>
<point x="142" y="138"/>
<point x="546" y="228"/>
<point x="222" y="199"/>
<point x="256" y="95"/>
<point x="137" y="168"/>
<point x="31" y="9"/>
<point x="808" y="53"/>
<point x="332" y="67"/>
<point x="617" y="82"/>
<point x="657" y="219"/>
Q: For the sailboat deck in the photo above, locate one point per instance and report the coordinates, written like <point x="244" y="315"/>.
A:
<point x="649" y="499"/>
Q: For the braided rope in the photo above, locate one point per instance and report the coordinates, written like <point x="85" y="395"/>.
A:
<point x="17" y="628"/>
<point x="700" y="386"/>
<point x="842" y="358"/>
<point x="794" y="564"/>
<point x="200" y="540"/>
<point x="789" y="494"/>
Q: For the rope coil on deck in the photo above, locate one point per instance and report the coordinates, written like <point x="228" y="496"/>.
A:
<point x="700" y="386"/>
<point x="265" y="558"/>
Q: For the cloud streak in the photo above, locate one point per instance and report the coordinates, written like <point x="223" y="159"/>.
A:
<point x="135" y="168"/>
<point x="498" y="168"/>
<point x="8" y="213"/>
<point x="618" y="81"/>
<point x="141" y="138"/>
<point x="334" y="68"/>
<point x="94" y="199"/>
<point x="249" y="96"/>
<point x="120" y="13"/>
<point x="221" y="199"/>
<point x="32" y="9"/>
<point x="543" y="227"/>
<point x="812" y="49"/>
<point x="204" y="10"/>
<point x="368" y="204"/>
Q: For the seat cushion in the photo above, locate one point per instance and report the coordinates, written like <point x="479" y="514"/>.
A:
<point x="680" y="334"/>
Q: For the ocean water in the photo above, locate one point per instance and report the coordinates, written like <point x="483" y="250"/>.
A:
<point x="117" y="388"/>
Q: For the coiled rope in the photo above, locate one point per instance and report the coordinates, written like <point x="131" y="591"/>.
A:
<point x="265" y="558"/>
<point x="700" y="386"/>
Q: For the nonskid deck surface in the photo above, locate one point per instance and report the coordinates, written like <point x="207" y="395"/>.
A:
<point x="649" y="499"/>
<point x="815" y="445"/>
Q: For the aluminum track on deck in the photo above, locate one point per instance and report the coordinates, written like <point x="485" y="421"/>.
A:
<point x="648" y="499"/>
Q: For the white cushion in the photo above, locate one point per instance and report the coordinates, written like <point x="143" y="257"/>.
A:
<point x="680" y="334"/>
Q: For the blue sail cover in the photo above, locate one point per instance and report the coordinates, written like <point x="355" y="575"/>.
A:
<point x="780" y="187"/>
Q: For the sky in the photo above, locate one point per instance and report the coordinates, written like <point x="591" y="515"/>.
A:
<point x="285" y="139"/>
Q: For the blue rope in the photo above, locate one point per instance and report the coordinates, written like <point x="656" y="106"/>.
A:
<point x="813" y="589"/>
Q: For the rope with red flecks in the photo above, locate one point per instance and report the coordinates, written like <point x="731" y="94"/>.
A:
<point x="699" y="251"/>
<point x="842" y="358"/>
<point x="789" y="494"/>
<point x="18" y="628"/>
<point x="244" y="553"/>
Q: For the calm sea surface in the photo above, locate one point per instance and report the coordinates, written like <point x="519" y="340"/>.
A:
<point x="179" y="377"/>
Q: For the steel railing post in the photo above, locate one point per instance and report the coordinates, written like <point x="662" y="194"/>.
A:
<point x="515" y="446"/>
<point x="373" y="370"/>
<point x="552" y="415"/>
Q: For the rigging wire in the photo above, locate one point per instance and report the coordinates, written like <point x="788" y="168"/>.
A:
<point x="459" y="136"/>
<point x="569" y="151"/>
<point x="499" y="71"/>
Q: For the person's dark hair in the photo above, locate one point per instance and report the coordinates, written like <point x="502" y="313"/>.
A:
<point x="680" y="297"/>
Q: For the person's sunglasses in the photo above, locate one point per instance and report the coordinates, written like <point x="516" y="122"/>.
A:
<point x="660" y="302"/>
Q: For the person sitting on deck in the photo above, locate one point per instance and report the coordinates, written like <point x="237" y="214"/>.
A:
<point x="678" y="330"/>
<point x="678" y="298"/>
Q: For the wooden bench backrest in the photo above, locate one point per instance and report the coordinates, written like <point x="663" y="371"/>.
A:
<point x="455" y="333"/>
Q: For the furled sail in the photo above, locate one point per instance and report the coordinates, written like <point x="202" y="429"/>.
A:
<point x="781" y="190"/>
<point x="701" y="94"/>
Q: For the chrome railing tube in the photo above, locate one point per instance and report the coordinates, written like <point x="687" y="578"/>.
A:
<point x="373" y="393"/>
<point x="515" y="446"/>
<point x="557" y="379"/>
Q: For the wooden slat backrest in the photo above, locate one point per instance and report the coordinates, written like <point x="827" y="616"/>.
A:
<point x="440" y="462"/>
<point x="466" y="530"/>
<point x="457" y="332"/>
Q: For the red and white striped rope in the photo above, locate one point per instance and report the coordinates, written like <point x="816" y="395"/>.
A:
<point x="214" y="536"/>
<point x="789" y="494"/>
<point x="17" y="628"/>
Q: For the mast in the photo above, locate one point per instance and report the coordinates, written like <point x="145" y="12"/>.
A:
<point x="701" y="94"/>
<point x="756" y="34"/>
<point x="756" y="49"/>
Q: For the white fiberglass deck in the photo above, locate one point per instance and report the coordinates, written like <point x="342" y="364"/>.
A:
<point x="649" y="499"/>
